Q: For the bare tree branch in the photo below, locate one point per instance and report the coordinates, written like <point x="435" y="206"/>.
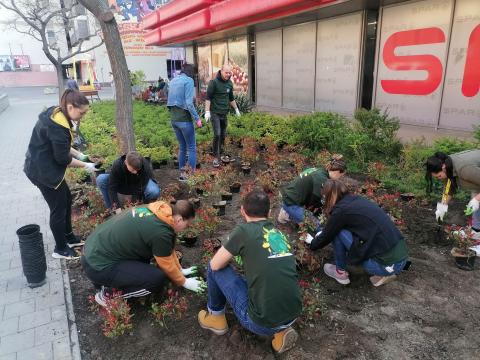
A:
<point x="30" y="31"/>
<point x="80" y="50"/>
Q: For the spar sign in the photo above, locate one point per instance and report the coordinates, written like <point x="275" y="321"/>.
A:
<point x="428" y="69"/>
<point x="429" y="63"/>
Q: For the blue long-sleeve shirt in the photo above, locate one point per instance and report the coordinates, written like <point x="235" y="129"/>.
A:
<point x="181" y="92"/>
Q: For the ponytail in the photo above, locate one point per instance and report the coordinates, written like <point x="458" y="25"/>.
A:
<point x="434" y="164"/>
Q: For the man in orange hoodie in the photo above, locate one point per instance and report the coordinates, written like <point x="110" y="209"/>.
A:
<point x="118" y="252"/>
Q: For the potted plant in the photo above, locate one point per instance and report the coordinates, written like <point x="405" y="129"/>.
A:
<point x="208" y="220"/>
<point x="235" y="187"/>
<point x="220" y="206"/>
<point x="227" y="196"/>
<point x="189" y="237"/>
<point x="463" y="255"/>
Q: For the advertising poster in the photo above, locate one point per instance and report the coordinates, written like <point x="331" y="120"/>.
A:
<point x="204" y="68"/>
<point x="219" y="56"/>
<point x="6" y="63"/>
<point x="238" y="59"/>
<point x="21" y="62"/>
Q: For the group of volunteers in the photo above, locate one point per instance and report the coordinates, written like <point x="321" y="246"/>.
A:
<point x="134" y="250"/>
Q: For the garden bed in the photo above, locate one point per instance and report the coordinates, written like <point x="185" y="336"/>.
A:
<point x="430" y="312"/>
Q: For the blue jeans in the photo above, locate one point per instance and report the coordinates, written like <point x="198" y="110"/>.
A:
<point x="151" y="192"/>
<point x="476" y="219"/>
<point x="295" y="212"/>
<point x="342" y="243"/>
<point x="226" y="285"/>
<point x="185" y="133"/>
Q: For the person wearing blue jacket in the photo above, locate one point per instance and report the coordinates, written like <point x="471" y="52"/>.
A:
<point x="183" y="113"/>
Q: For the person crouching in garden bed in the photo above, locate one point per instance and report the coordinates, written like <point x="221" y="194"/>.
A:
<point x="118" y="252"/>
<point x="267" y="301"/>
<point x="131" y="174"/>
<point x="362" y="233"/>
<point x="304" y="192"/>
<point x="457" y="170"/>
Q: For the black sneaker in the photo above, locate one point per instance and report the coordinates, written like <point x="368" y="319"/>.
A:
<point x="67" y="254"/>
<point x="73" y="240"/>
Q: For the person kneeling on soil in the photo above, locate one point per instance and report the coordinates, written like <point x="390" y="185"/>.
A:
<point x="118" y="252"/>
<point x="457" y="170"/>
<point x="362" y="233"/>
<point x="267" y="301"/>
<point x="131" y="174"/>
<point x="305" y="191"/>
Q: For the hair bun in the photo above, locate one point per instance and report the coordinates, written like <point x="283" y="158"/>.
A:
<point x="336" y="157"/>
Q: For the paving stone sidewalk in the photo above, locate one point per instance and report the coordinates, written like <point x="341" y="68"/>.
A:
<point x="34" y="323"/>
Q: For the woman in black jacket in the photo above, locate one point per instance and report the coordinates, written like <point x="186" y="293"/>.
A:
<point x="48" y="156"/>
<point x="362" y="233"/>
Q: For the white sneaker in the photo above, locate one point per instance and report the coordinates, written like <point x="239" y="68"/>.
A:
<point x="283" y="217"/>
<point x="475" y="235"/>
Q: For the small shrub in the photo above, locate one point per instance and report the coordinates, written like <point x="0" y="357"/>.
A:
<point x="117" y="319"/>
<point x="174" y="306"/>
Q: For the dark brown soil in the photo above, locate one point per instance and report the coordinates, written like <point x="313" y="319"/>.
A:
<point x="431" y="311"/>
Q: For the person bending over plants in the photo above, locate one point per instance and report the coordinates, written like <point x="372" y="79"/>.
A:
<point x="457" y="170"/>
<point x="267" y="301"/>
<point x="49" y="154"/>
<point x="131" y="174"/>
<point x="304" y="192"/>
<point x="118" y="252"/>
<point x="361" y="233"/>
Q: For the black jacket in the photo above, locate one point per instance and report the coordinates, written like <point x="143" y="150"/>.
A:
<point x="48" y="153"/>
<point x="373" y="231"/>
<point x="124" y="182"/>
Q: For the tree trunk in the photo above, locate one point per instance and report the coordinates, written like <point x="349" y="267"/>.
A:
<point x="113" y="43"/>
<point x="61" y="84"/>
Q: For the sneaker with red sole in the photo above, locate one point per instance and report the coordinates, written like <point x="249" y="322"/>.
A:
<point x="340" y="275"/>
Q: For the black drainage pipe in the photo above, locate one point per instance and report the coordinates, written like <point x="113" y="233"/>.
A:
<point x="34" y="263"/>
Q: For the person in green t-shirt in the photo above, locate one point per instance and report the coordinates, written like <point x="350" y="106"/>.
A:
<point x="304" y="192"/>
<point x="362" y="234"/>
<point x="267" y="301"/>
<point x="117" y="254"/>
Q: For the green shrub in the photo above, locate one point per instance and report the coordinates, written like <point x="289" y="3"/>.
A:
<point x="450" y="145"/>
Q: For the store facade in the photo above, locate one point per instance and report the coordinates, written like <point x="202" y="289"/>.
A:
<point x="419" y="60"/>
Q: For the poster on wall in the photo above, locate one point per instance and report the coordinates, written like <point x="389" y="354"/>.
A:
<point x="219" y="56"/>
<point x="299" y="66"/>
<point x="461" y="94"/>
<point x="204" y="68"/>
<point x="6" y="63"/>
<point x="268" y="86"/>
<point x="21" y="62"/>
<point x="238" y="59"/>
<point x="129" y="15"/>
<point x="411" y="60"/>
<point x="338" y="61"/>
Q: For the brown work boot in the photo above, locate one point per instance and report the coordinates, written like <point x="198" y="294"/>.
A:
<point x="381" y="280"/>
<point x="216" y="323"/>
<point x="284" y="340"/>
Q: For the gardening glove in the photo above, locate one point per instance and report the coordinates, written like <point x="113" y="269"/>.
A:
<point x="196" y="285"/>
<point x="199" y="122"/>
<point x="82" y="157"/>
<point x="189" y="271"/>
<point x="237" y="112"/>
<point x="473" y="206"/>
<point x="208" y="116"/>
<point x="90" y="167"/>
<point x="308" y="239"/>
<point x="441" y="211"/>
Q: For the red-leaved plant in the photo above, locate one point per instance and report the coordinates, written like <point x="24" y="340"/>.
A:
<point x="174" y="306"/>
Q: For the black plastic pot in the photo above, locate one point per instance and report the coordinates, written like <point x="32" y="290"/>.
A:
<point x="227" y="196"/>
<point x="175" y="163"/>
<point x="246" y="170"/>
<point x="465" y="261"/>
<point x="195" y="202"/>
<point x="407" y="196"/>
<point x="220" y="206"/>
<point x="199" y="191"/>
<point x="235" y="188"/>
<point x="32" y="253"/>
<point x="189" y="241"/>
<point x="198" y="165"/>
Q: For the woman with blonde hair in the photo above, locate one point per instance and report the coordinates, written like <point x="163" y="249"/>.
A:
<point x="361" y="233"/>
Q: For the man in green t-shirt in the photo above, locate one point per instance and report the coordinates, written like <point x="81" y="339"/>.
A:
<point x="267" y="301"/>
<point x="118" y="252"/>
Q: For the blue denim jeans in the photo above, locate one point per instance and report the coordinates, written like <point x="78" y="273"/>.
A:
<point x="151" y="192"/>
<point x="295" y="212"/>
<point x="185" y="133"/>
<point x="342" y="243"/>
<point x="226" y="285"/>
<point x="476" y="219"/>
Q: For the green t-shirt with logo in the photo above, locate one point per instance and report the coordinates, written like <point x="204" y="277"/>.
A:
<point x="270" y="270"/>
<point x="136" y="234"/>
<point x="306" y="189"/>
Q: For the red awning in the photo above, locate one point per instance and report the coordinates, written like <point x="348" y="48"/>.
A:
<point x="175" y="10"/>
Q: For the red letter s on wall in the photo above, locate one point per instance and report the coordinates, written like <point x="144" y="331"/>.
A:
<point x="429" y="63"/>
<point x="471" y="76"/>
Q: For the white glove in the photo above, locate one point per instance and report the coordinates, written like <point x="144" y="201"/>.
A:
<point x="82" y="157"/>
<point x="208" y="116"/>
<point x="237" y="112"/>
<point x="308" y="239"/>
<point x="189" y="271"/>
<point x="195" y="284"/>
<point x="441" y="211"/>
<point x="474" y="205"/>
<point x="90" y="167"/>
